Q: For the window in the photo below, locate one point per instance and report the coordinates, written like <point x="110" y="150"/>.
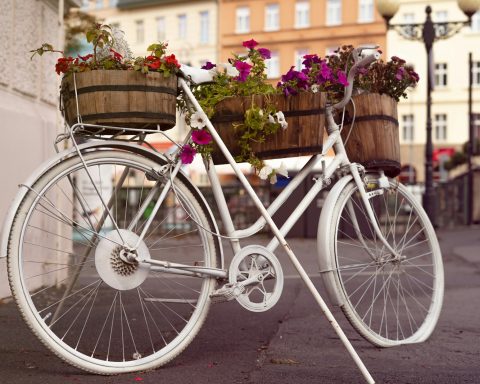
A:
<point x="441" y="75"/>
<point x="272" y="17"/>
<point x="161" y="28"/>
<point x="476" y="22"/>
<point x="139" y="27"/>
<point x="273" y="66"/>
<point x="299" y="58"/>
<point x="98" y="4"/>
<point x="408" y="18"/>
<point x="113" y="3"/>
<point x="182" y="26"/>
<point x="408" y="133"/>
<point x="334" y="12"/>
<point x="204" y="27"/>
<point x="440" y="127"/>
<point x="85" y="4"/>
<point x="302" y="14"/>
<point x="243" y="20"/>
<point x="476" y="73"/>
<point x="476" y="131"/>
<point x="441" y="17"/>
<point x="365" y="11"/>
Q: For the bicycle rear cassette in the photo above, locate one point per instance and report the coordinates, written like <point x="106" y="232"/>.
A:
<point x="258" y="272"/>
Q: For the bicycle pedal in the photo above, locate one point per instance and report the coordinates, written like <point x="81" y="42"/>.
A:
<point x="227" y="293"/>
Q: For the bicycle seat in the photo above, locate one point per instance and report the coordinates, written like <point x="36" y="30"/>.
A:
<point x="197" y="75"/>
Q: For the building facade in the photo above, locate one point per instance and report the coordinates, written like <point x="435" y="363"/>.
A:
<point x="450" y="120"/>
<point x="293" y="28"/>
<point x="29" y="116"/>
<point x="189" y="26"/>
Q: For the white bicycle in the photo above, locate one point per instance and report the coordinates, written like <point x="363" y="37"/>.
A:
<point x="114" y="256"/>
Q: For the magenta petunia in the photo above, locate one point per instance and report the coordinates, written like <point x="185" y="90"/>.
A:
<point x="201" y="137"/>
<point x="187" y="154"/>
<point x="243" y="69"/>
<point x="208" y="65"/>
<point x="250" y="44"/>
<point x="265" y="53"/>
<point x="342" y="78"/>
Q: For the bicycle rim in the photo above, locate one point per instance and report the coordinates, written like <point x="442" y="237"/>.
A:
<point x="389" y="301"/>
<point x="133" y="318"/>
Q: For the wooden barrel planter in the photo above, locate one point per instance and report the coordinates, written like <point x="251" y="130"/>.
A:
<point x="374" y="140"/>
<point x="305" y="114"/>
<point x="121" y="99"/>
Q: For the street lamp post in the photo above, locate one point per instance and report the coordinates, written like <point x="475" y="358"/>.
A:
<point x="428" y="32"/>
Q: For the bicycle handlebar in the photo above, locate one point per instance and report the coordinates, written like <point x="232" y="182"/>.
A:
<point x="359" y="62"/>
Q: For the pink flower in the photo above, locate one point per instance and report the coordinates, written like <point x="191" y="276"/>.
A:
<point x="117" y="56"/>
<point x="243" y="69"/>
<point x="250" y="44"/>
<point x="201" y="137"/>
<point x="265" y="53"/>
<point x="342" y="78"/>
<point x="187" y="154"/>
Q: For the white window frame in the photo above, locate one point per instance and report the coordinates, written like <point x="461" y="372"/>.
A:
<point x="302" y="14"/>
<point x="408" y="18"/>
<point x="182" y="26"/>
<point x="161" y="25"/>
<point x="139" y="31"/>
<point x="272" y="17"/>
<point x="476" y="74"/>
<point x="273" y="65"/>
<point x="204" y="27"/>
<point x="441" y="75"/>
<point x="440" y="127"/>
<point x="408" y="128"/>
<point x="242" y="20"/>
<point x="365" y="11"/>
<point x="334" y="12"/>
<point x="298" y="58"/>
<point x="476" y="22"/>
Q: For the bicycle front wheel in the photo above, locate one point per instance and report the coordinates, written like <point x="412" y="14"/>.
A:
<point x="72" y="277"/>
<point x="389" y="300"/>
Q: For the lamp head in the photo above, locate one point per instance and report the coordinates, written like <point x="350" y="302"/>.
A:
<point x="469" y="7"/>
<point x="388" y="8"/>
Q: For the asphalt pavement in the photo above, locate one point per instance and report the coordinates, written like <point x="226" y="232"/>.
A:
<point x="293" y="342"/>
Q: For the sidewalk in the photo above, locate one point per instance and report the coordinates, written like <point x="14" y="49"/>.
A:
<point x="462" y="243"/>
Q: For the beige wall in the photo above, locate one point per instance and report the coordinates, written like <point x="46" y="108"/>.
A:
<point x="29" y="120"/>
<point x="318" y="38"/>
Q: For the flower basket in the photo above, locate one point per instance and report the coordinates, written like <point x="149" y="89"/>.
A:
<point x="374" y="140"/>
<point x="304" y="113"/>
<point x="121" y="98"/>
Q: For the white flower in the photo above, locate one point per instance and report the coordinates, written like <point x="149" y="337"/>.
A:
<point x="198" y="120"/>
<point x="273" y="179"/>
<point x="271" y="119"/>
<point x="281" y="119"/>
<point x="282" y="170"/>
<point x="315" y="88"/>
<point x="260" y="112"/>
<point x="265" y="172"/>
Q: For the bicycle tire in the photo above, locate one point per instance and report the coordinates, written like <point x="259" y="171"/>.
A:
<point x="389" y="302"/>
<point x="101" y="328"/>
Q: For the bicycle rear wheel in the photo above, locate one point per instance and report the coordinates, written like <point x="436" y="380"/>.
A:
<point x="73" y="284"/>
<point x="388" y="301"/>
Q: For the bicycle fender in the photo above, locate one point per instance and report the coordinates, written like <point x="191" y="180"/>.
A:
<point x="110" y="144"/>
<point x="325" y="254"/>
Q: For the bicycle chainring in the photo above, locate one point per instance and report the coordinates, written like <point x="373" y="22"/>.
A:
<point x="257" y="270"/>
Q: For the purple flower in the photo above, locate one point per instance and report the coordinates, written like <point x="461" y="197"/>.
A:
<point x="325" y="71"/>
<point x="362" y="71"/>
<point x="243" y="69"/>
<point x="250" y="44"/>
<point x="400" y="73"/>
<point x="208" y="65"/>
<point x="187" y="154"/>
<point x="265" y="53"/>
<point x="342" y="78"/>
<point x="201" y="137"/>
<point x="415" y="76"/>
<point x="310" y="60"/>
